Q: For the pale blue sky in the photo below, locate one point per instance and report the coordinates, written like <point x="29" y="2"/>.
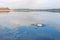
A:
<point x="30" y="3"/>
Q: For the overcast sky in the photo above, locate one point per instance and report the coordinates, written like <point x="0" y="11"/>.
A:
<point x="30" y="3"/>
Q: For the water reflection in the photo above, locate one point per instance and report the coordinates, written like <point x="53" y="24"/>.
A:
<point x="29" y="33"/>
<point x="17" y="26"/>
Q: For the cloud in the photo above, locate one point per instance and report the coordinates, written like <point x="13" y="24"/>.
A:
<point x="31" y="3"/>
<point x="2" y="5"/>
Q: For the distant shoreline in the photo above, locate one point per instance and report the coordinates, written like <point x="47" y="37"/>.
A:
<point x="36" y="10"/>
